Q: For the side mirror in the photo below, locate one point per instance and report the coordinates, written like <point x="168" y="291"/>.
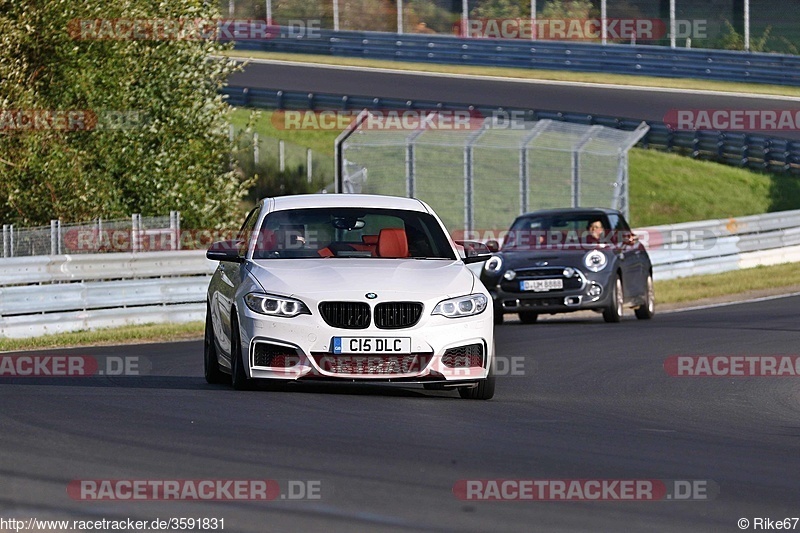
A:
<point x="225" y="251"/>
<point x="474" y="251"/>
<point x="493" y="245"/>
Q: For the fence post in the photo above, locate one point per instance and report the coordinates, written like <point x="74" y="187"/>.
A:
<point x="411" y="163"/>
<point x="53" y="237"/>
<point x="5" y="240"/>
<point x="255" y="148"/>
<point x="281" y="155"/>
<point x="309" y="164"/>
<point x="576" y="155"/>
<point x="231" y="136"/>
<point x="469" y="207"/>
<point x="400" y="17"/>
<point x="174" y="230"/>
<point x="135" y="223"/>
<point x="524" y="174"/>
<point x="11" y="240"/>
<point x="335" y="15"/>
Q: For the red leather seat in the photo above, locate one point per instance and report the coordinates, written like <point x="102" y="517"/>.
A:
<point x="392" y="242"/>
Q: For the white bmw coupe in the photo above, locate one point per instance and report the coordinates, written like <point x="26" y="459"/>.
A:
<point x="348" y="287"/>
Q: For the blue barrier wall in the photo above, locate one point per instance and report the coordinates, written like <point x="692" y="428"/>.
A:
<point x="584" y="57"/>
<point x="757" y="152"/>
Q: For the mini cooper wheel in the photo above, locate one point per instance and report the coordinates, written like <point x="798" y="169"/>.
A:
<point x="613" y="313"/>
<point x="239" y="378"/>
<point x="648" y="308"/>
<point x="528" y="317"/>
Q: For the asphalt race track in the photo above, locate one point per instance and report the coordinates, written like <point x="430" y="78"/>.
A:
<point x="594" y="403"/>
<point x="630" y="102"/>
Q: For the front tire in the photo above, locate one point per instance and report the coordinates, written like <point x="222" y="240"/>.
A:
<point x="483" y="391"/>
<point x="239" y="378"/>
<point x="498" y="316"/>
<point x="648" y="308"/>
<point x="613" y="313"/>
<point x="211" y="370"/>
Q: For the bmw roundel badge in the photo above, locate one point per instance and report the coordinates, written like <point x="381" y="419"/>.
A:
<point x="371" y="295"/>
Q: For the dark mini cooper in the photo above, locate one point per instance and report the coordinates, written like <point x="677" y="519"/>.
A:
<point x="564" y="260"/>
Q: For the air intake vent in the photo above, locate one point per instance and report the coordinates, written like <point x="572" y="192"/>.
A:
<point x="464" y="356"/>
<point x="274" y="355"/>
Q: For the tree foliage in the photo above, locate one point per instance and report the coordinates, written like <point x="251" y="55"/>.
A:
<point x="161" y="138"/>
<point x="730" y="39"/>
<point x="569" y="9"/>
<point x="496" y="9"/>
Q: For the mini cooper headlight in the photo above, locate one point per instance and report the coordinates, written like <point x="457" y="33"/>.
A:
<point x="461" y="306"/>
<point x="595" y="261"/>
<point x="493" y="264"/>
<point x="269" y="304"/>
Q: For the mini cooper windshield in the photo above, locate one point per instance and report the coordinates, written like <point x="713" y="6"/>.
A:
<point x="351" y="232"/>
<point x="579" y="230"/>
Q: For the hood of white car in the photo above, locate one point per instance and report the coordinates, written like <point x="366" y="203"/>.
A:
<point x="352" y="278"/>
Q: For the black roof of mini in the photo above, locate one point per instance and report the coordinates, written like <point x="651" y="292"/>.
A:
<point x="569" y="210"/>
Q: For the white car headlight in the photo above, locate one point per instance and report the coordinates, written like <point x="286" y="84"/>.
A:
<point x="493" y="264"/>
<point x="595" y="261"/>
<point x="461" y="306"/>
<point x="269" y="304"/>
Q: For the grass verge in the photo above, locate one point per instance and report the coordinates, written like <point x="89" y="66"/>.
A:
<point x="529" y="74"/>
<point x="785" y="277"/>
<point x="108" y="336"/>
<point x="713" y="288"/>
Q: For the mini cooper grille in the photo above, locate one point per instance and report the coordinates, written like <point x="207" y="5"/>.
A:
<point x="539" y="272"/>
<point x="395" y="315"/>
<point x="274" y="355"/>
<point x="372" y="365"/>
<point x="534" y="302"/>
<point x="346" y="315"/>
<point x="573" y="283"/>
<point x="463" y="356"/>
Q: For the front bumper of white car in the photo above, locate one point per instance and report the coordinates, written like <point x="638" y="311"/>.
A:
<point x="436" y="349"/>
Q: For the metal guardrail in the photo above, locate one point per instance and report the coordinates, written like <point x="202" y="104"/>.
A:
<point x="641" y="60"/>
<point x="51" y="294"/>
<point x="716" y="246"/>
<point x="758" y="152"/>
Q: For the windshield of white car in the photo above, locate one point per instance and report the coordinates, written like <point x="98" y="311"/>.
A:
<point x="351" y="233"/>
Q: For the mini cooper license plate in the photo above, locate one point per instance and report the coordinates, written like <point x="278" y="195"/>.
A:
<point x="372" y="345"/>
<point x="541" y="285"/>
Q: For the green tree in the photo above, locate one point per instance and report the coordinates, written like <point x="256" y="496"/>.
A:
<point x="498" y="9"/>
<point x="569" y="9"/>
<point x="161" y="137"/>
<point x="730" y="39"/>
